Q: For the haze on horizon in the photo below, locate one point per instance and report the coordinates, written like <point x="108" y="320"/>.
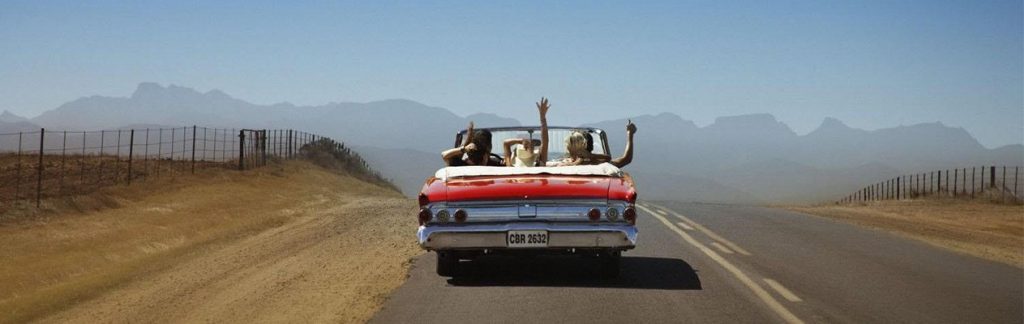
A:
<point x="871" y="64"/>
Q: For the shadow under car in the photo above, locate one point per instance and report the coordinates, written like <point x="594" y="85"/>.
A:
<point x="576" y="271"/>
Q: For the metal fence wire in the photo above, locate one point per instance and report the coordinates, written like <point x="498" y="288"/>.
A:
<point x="997" y="182"/>
<point x="38" y="164"/>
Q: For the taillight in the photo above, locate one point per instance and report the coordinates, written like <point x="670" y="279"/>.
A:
<point x="613" y="214"/>
<point x="460" y="216"/>
<point x="443" y="216"/>
<point x="425" y="216"/>
<point x="594" y="214"/>
<point x="629" y="215"/>
<point x="424" y="200"/>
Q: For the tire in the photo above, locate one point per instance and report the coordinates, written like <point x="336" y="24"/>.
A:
<point x="447" y="263"/>
<point x="611" y="264"/>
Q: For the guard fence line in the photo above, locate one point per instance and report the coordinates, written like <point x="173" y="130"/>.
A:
<point x="1000" y="182"/>
<point x="39" y="164"/>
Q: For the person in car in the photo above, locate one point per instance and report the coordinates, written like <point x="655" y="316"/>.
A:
<point x="579" y="146"/>
<point x="475" y="150"/>
<point x="525" y="152"/>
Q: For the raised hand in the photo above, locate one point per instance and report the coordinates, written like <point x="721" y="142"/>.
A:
<point x="543" y="106"/>
<point x="630" y="127"/>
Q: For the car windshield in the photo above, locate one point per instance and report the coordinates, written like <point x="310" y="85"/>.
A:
<point x="556" y="136"/>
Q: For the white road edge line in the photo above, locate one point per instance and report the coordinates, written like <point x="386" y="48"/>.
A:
<point x="788" y="295"/>
<point x="684" y="226"/>
<point x="767" y="298"/>
<point x="713" y="235"/>
<point x="721" y="247"/>
<point x="662" y="212"/>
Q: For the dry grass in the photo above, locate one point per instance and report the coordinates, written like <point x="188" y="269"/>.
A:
<point x="978" y="227"/>
<point x="161" y="250"/>
<point x="77" y="174"/>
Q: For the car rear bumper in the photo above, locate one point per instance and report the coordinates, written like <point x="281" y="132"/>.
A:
<point x="560" y="236"/>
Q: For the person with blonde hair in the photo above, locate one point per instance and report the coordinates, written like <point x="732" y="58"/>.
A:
<point x="579" y="146"/>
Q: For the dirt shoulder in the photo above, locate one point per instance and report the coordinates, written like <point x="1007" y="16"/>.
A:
<point x="979" y="228"/>
<point x="290" y="243"/>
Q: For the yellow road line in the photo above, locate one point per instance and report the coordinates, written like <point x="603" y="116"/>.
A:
<point x="721" y="247"/>
<point x="713" y="235"/>
<point x="767" y="298"/>
<point x="788" y="295"/>
<point x="684" y="226"/>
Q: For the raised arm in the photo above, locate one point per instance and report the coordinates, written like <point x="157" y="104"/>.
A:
<point x="542" y="108"/>
<point x="627" y="157"/>
<point x="508" y="148"/>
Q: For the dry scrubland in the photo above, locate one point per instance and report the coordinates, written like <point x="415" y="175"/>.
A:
<point x="980" y="227"/>
<point x="291" y="242"/>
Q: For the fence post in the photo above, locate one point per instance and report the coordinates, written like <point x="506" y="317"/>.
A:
<point x="241" y="150"/>
<point x="117" y="156"/>
<point x="992" y="177"/>
<point x="193" y="149"/>
<point x="956" y="173"/>
<point x="131" y="153"/>
<point x="171" y="160"/>
<point x="897" y="188"/>
<point x="39" y="171"/>
<point x="81" y="163"/>
<point x="263" y="147"/>
<point x="947" y="182"/>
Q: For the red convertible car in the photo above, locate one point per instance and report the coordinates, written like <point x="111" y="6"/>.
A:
<point x="470" y="211"/>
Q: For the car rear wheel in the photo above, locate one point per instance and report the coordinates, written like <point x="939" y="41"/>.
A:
<point x="447" y="263"/>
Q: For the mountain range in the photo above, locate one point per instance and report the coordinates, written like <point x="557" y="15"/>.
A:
<point x="737" y="159"/>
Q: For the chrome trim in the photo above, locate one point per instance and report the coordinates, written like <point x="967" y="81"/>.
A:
<point x="528" y="210"/>
<point x="492" y="236"/>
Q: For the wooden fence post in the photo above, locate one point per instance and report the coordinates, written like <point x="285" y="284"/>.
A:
<point x="992" y="177"/>
<point x="955" y="173"/>
<point x="193" y="149"/>
<point x="39" y="168"/>
<point x="131" y="153"/>
<point x="898" y="188"/>
<point x="241" y="150"/>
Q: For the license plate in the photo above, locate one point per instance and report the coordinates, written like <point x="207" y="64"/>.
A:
<point x="527" y="239"/>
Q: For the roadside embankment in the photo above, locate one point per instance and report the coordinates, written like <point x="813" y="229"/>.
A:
<point x="287" y="242"/>
<point x="978" y="227"/>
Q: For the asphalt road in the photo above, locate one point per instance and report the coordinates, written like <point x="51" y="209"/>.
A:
<point x="725" y="264"/>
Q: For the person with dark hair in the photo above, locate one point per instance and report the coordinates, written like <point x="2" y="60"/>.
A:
<point x="475" y="150"/>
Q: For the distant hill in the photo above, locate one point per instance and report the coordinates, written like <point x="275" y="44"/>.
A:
<point x="747" y="158"/>
<point x="397" y="124"/>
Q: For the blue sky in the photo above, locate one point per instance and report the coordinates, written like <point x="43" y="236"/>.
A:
<point x="872" y="64"/>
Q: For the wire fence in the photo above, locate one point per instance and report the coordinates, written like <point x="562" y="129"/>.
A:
<point x="40" y="164"/>
<point x="1000" y="183"/>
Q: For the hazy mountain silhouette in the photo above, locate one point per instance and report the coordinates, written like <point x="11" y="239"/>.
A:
<point x="748" y="158"/>
<point x="9" y="117"/>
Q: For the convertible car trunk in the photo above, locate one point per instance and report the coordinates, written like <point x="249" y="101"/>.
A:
<point x="533" y="187"/>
